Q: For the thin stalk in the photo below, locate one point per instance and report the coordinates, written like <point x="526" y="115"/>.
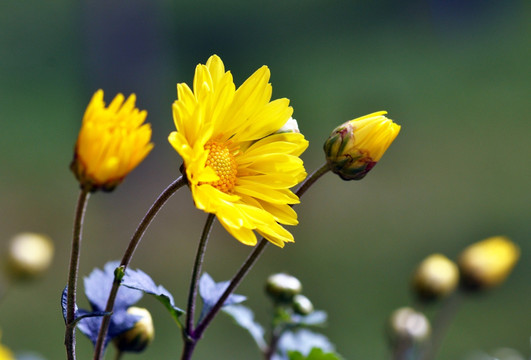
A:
<point x="196" y="272"/>
<point x="126" y="259"/>
<point x="441" y="324"/>
<point x="70" y="332"/>
<point x="276" y="333"/>
<point x="246" y="267"/>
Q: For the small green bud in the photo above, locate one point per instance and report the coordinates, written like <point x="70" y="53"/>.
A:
<point x="29" y="256"/>
<point x="436" y="277"/>
<point x="302" y="305"/>
<point x="408" y="325"/>
<point x="141" y="335"/>
<point x="354" y="148"/>
<point x="283" y="287"/>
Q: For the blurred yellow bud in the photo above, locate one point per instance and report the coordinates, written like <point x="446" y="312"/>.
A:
<point x="29" y="255"/>
<point x="488" y="263"/>
<point x="5" y="353"/>
<point x="436" y="277"/>
<point x="283" y="287"/>
<point x="355" y="147"/>
<point x="406" y="324"/>
<point x="112" y="141"/>
<point x="140" y="336"/>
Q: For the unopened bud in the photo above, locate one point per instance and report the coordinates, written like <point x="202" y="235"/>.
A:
<point x="407" y="324"/>
<point x="139" y="336"/>
<point x="283" y="287"/>
<point x="488" y="263"/>
<point x="302" y="305"/>
<point x="436" y="277"/>
<point x="355" y="147"/>
<point x="29" y="255"/>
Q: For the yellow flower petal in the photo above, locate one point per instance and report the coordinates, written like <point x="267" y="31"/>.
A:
<point x="237" y="166"/>
<point x="111" y="143"/>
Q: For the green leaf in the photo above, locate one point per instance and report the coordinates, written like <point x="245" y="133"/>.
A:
<point x="315" y="354"/>
<point x="303" y="341"/>
<point x="139" y="280"/>
<point x="244" y="317"/>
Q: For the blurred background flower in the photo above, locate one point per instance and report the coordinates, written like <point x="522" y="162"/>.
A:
<point x="453" y="74"/>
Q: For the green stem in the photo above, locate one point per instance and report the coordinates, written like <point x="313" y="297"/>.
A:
<point x="244" y="269"/>
<point x="196" y="272"/>
<point x="441" y="324"/>
<point x="70" y="332"/>
<point x="270" y="350"/>
<point x="126" y="259"/>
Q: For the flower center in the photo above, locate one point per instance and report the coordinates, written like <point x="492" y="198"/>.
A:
<point x="224" y="165"/>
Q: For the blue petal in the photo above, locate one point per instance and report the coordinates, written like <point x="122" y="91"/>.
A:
<point x="98" y="286"/>
<point x="210" y="292"/>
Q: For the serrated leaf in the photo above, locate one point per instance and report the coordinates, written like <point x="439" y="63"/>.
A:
<point x="316" y="318"/>
<point x="210" y="292"/>
<point x="98" y="286"/>
<point x="244" y="317"/>
<point x="89" y="324"/>
<point x="139" y="280"/>
<point x="302" y="341"/>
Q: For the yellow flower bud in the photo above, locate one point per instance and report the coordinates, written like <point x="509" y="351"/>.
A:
<point x="488" y="263"/>
<point x="406" y="324"/>
<point x="112" y="141"/>
<point x="29" y="255"/>
<point x="355" y="147"/>
<point x="140" y="336"/>
<point x="436" y="277"/>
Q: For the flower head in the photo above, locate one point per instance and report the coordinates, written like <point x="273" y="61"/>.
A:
<point x="238" y="166"/>
<point x="355" y="147"/>
<point x="112" y="141"/>
<point x="489" y="262"/>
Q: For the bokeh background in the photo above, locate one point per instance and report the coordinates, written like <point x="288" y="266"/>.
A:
<point x="455" y="74"/>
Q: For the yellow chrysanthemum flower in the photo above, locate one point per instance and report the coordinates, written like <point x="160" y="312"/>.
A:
<point x="238" y="166"/>
<point x="355" y="147"/>
<point x="111" y="143"/>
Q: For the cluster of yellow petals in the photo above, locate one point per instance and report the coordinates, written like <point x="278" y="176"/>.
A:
<point x="374" y="133"/>
<point x="112" y="141"/>
<point x="238" y="166"/>
<point x="355" y="147"/>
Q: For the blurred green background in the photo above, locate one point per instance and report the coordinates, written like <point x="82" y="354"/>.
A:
<point x="455" y="74"/>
